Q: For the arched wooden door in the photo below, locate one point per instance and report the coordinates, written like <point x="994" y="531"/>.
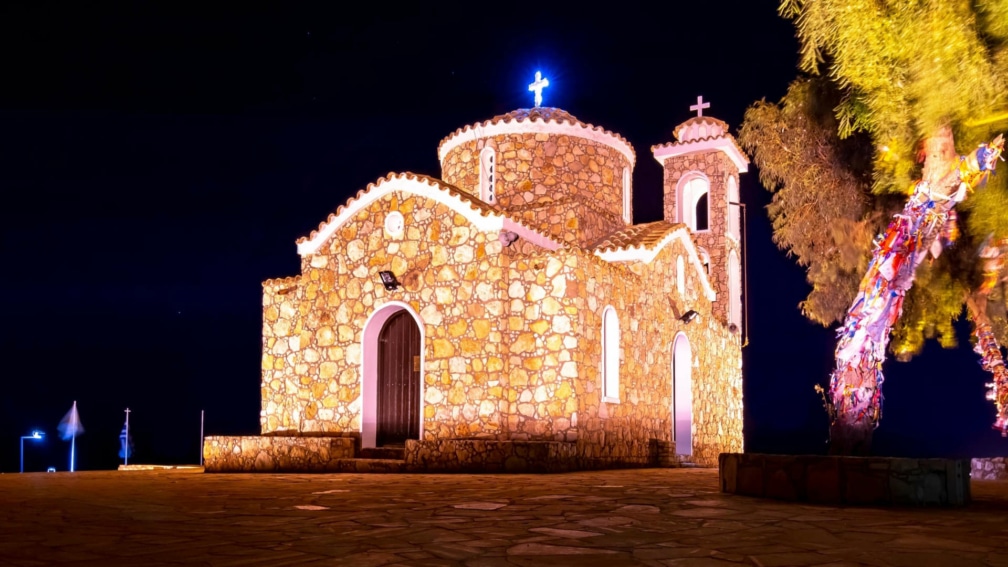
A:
<point x="398" y="381"/>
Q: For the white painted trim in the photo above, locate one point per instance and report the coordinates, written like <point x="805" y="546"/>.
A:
<point x="724" y="144"/>
<point x="641" y="254"/>
<point x="492" y="222"/>
<point x="369" y="368"/>
<point x="535" y="126"/>
<point x="488" y="181"/>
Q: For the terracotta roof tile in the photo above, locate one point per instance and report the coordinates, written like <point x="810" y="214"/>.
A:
<point x="280" y="282"/>
<point x="641" y="236"/>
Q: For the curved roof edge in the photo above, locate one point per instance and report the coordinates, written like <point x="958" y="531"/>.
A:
<point x="645" y="243"/>
<point x="533" y="123"/>
<point x="480" y="214"/>
<point x="726" y="143"/>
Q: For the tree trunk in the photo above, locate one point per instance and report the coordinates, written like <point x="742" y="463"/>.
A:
<point x="854" y="401"/>
<point x="853" y="438"/>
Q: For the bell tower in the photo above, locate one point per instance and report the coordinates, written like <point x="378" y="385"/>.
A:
<point x="702" y="168"/>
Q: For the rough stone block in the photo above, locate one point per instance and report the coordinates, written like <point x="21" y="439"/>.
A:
<point x="847" y="480"/>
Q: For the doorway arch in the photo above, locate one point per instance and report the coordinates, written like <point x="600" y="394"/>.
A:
<point x="393" y="365"/>
<point x="682" y="395"/>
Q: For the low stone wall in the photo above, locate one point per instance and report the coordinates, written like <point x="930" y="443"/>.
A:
<point x="489" y="456"/>
<point x="276" y="453"/>
<point x="989" y="468"/>
<point x="847" y="480"/>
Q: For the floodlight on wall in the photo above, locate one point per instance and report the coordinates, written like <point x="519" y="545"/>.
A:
<point x="688" y="316"/>
<point x="389" y="280"/>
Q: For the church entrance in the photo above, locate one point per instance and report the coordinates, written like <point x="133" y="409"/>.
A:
<point x="398" y="384"/>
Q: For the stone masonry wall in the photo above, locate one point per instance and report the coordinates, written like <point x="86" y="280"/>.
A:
<point x="839" y="480"/>
<point x="718" y="168"/>
<point x="989" y="468"/>
<point x="539" y="169"/>
<point x="489" y="456"/>
<point x="643" y="294"/>
<point x="540" y="347"/>
<point x="269" y="454"/>
<point x="570" y="220"/>
<point x="313" y="326"/>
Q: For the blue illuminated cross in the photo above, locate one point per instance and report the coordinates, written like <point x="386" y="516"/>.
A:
<point x="537" y="87"/>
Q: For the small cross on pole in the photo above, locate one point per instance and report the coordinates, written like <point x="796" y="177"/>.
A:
<point x="700" y="105"/>
<point x="537" y="87"/>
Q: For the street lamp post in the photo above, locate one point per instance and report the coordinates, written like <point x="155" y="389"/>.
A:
<point x="36" y="435"/>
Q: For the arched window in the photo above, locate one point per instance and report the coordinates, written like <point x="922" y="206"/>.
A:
<point x="693" y="206"/>
<point x="733" y="210"/>
<point x="682" y="395"/>
<point x="488" y="174"/>
<point x="610" y="355"/>
<point x="627" y="197"/>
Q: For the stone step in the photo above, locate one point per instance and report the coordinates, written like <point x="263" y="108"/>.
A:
<point x="370" y="465"/>
<point x="394" y="453"/>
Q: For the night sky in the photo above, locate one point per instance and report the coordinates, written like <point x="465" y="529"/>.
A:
<point x="157" y="164"/>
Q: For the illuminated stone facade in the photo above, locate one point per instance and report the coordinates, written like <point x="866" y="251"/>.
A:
<point x="506" y="268"/>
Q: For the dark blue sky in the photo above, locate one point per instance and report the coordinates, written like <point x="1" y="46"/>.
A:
<point x="157" y="164"/>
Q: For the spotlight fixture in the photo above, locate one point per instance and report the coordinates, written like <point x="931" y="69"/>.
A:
<point x="389" y="280"/>
<point x="688" y="316"/>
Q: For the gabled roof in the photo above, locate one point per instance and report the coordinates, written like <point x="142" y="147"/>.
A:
<point x="483" y="215"/>
<point x="536" y="120"/>
<point x="643" y="242"/>
<point x="702" y="133"/>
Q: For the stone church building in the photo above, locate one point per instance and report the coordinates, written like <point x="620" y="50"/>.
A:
<point x="510" y="315"/>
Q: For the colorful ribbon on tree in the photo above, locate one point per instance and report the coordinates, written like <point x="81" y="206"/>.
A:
<point x="926" y="220"/>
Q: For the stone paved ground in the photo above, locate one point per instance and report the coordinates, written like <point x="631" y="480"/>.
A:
<point x="612" y="518"/>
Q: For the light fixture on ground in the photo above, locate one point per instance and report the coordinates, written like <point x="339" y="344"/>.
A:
<point x="688" y="316"/>
<point x="35" y="435"/>
<point x="389" y="280"/>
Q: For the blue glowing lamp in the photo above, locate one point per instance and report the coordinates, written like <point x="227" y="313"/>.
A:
<point x="36" y="435"/>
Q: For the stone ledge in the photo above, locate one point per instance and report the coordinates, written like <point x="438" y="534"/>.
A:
<point x="989" y="468"/>
<point x="276" y="453"/>
<point x="847" y="480"/>
<point x="490" y="456"/>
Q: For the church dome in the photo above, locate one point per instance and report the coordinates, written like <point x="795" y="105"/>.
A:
<point x="560" y="176"/>
<point x="700" y="128"/>
<point x="546" y="113"/>
<point x="537" y="120"/>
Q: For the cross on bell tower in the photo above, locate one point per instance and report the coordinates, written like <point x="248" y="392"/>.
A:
<point x="537" y="87"/>
<point x="700" y="106"/>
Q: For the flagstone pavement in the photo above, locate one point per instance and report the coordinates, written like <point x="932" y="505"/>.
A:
<point x="610" y="518"/>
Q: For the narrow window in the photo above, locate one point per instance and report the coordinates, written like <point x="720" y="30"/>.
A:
<point x="488" y="174"/>
<point x="610" y="355"/>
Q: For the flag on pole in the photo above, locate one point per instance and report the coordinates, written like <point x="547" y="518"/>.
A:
<point x="125" y="443"/>
<point x="69" y="428"/>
